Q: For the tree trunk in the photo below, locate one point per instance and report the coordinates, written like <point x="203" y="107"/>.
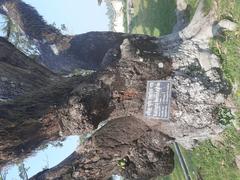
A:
<point x="63" y="53"/>
<point x="38" y="106"/>
<point x="123" y="139"/>
<point x="70" y="106"/>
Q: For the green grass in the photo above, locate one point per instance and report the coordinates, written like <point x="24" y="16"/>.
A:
<point x="125" y="22"/>
<point x="227" y="46"/>
<point x="155" y="17"/>
<point x="207" y="6"/>
<point x="191" y="8"/>
<point x="218" y="161"/>
<point x="191" y="165"/>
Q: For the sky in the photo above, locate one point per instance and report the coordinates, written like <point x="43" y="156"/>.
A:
<point x="79" y="16"/>
<point x="50" y="156"/>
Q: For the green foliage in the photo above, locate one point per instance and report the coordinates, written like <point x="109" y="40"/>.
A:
<point x="62" y="28"/>
<point x="226" y="46"/>
<point x="125" y="18"/>
<point x="224" y="115"/>
<point x="153" y="18"/>
<point x="111" y="14"/>
<point x="58" y="143"/>
<point x="207" y="6"/>
<point x="122" y="163"/>
<point x="229" y="9"/>
<point x="218" y="161"/>
<point x="191" y="8"/>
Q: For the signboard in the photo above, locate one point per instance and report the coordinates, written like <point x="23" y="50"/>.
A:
<point x="158" y="99"/>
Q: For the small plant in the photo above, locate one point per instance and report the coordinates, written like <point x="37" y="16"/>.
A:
<point x="122" y="163"/>
<point x="224" y="115"/>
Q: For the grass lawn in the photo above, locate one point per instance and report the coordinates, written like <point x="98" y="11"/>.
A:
<point x="191" y="165"/>
<point x="192" y="6"/>
<point x="207" y="6"/>
<point x="153" y="17"/>
<point x="218" y="161"/>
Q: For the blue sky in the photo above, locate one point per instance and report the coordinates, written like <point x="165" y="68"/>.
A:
<point x="50" y="156"/>
<point x="79" y="16"/>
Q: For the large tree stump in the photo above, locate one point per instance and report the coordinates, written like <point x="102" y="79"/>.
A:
<point x="38" y="105"/>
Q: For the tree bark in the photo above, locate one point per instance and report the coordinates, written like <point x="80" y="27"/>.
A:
<point x="64" y="53"/>
<point x="38" y="105"/>
<point x="125" y="138"/>
<point x="74" y="105"/>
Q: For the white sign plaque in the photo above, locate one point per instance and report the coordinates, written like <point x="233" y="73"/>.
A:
<point x="158" y="99"/>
